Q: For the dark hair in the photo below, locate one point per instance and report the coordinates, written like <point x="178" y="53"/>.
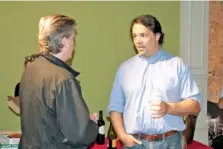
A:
<point x="151" y="23"/>
<point x="52" y="29"/>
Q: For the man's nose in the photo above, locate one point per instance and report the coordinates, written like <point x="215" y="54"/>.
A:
<point x="138" y="40"/>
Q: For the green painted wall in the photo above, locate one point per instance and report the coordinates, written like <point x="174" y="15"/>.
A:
<point x="102" y="44"/>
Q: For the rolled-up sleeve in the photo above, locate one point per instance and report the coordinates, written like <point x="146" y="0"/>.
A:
<point x="117" y="97"/>
<point x="189" y="88"/>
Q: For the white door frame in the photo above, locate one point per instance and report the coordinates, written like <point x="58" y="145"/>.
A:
<point x="194" y="35"/>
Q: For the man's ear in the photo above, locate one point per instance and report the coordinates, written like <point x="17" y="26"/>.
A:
<point x="158" y="36"/>
<point x="64" y="42"/>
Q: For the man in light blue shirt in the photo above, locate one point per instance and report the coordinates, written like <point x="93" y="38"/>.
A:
<point x="151" y="92"/>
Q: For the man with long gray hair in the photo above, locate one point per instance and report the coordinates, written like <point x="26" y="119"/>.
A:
<point x="54" y="114"/>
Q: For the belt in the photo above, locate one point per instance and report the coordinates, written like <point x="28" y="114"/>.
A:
<point x="155" y="136"/>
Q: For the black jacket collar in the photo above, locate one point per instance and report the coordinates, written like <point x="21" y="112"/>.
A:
<point x="60" y="63"/>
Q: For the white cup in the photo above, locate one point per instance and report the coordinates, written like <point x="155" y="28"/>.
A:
<point x="155" y="97"/>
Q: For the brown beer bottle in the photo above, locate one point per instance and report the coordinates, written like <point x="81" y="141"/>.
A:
<point x="112" y="138"/>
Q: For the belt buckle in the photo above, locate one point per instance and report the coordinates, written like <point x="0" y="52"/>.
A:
<point x="163" y="136"/>
<point x="139" y="136"/>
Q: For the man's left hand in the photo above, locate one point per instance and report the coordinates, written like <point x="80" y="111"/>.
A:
<point x="158" y="109"/>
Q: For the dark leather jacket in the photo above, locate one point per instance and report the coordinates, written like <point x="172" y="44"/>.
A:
<point x="54" y="114"/>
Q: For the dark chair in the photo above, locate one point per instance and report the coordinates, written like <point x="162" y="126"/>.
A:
<point x="217" y="142"/>
<point x="188" y="133"/>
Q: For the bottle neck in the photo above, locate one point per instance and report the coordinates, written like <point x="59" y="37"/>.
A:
<point x="100" y="116"/>
<point x="110" y="127"/>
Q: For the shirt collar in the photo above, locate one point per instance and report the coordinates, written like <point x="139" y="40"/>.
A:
<point x="154" y="58"/>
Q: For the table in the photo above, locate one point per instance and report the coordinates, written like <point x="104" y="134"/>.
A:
<point x="197" y="145"/>
<point x="193" y="145"/>
<point x="96" y="146"/>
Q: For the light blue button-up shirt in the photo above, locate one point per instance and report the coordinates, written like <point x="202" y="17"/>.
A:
<point x="134" y="81"/>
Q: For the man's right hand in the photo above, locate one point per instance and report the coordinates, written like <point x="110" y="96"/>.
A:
<point x="129" y="140"/>
<point x="94" y="117"/>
